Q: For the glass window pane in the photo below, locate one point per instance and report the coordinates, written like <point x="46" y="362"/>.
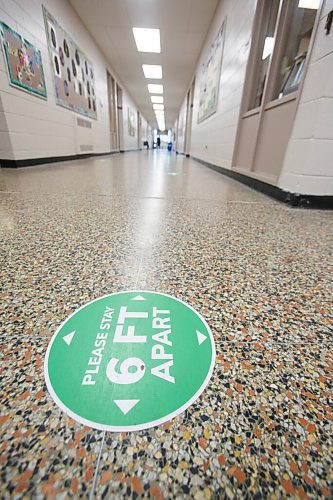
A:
<point x="266" y="44"/>
<point x="295" y="47"/>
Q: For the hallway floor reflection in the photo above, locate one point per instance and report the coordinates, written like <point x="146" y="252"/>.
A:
<point x="258" y="271"/>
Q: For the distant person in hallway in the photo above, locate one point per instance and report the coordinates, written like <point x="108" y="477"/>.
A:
<point x="158" y="142"/>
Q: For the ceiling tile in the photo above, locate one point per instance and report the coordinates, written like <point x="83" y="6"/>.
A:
<point x="183" y="24"/>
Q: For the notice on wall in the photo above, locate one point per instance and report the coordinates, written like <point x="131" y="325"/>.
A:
<point x="23" y="61"/>
<point x="210" y="78"/>
<point x="129" y="361"/>
<point x="73" y="73"/>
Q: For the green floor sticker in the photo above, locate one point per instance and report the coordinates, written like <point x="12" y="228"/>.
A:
<point x="129" y="361"/>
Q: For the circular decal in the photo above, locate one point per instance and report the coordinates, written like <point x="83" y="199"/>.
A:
<point x="129" y="361"/>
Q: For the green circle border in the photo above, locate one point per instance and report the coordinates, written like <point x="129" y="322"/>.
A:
<point x="146" y="425"/>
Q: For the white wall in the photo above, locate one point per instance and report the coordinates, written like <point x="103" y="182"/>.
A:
<point x="5" y="143"/>
<point x="129" y="142"/>
<point x="181" y="127"/>
<point x="41" y="128"/>
<point x="146" y="133"/>
<point x="150" y="136"/>
<point x="308" y="164"/>
<point x="213" y="139"/>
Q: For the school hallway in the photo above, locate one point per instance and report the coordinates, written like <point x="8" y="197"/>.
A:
<point x="257" y="270"/>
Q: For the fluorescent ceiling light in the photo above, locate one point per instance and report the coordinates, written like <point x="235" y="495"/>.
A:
<point x="157" y="99"/>
<point x="308" y="4"/>
<point x="158" y="106"/>
<point x="147" y="40"/>
<point x="155" y="88"/>
<point x="152" y="71"/>
<point x="159" y="112"/>
<point x="268" y="47"/>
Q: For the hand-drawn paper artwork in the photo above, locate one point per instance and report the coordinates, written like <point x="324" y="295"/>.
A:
<point x="210" y="78"/>
<point x="73" y="73"/>
<point x="23" y="61"/>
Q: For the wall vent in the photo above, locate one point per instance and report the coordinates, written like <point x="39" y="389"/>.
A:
<point x="83" y="123"/>
<point x="86" y="147"/>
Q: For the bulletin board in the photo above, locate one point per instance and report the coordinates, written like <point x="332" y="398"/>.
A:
<point x="210" y="78"/>
<point x="131" y="122"/>
<point x="73" y="73"/>
<point x="23" y="61"/>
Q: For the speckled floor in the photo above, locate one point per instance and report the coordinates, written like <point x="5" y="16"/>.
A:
<point x="259" y="272"/>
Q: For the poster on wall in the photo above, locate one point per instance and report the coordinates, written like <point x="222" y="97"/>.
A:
<point x="210" y="78"/>
<point x="73" y="73"/>
<point x="131" y="122"/>
<point x="23" y="61"/>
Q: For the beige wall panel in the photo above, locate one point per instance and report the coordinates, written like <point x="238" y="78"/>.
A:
<point x="273" y="139"/>
<point x="247" y="142"/>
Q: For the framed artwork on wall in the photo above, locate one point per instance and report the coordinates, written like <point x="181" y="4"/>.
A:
<point x="131" y="122"/>
<point x="23" y="61"/>
<point x="210" y="78"/>
<point x="73" y="73"/>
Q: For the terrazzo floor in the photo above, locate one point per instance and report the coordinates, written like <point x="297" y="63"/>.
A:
<point x="259" y="272"/>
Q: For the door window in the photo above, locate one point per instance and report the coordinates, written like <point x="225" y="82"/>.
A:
<point x="265" y="49"/>
<point x="295" y="47"/>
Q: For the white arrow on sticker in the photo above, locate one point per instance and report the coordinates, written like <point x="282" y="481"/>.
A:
<point x="201" y="337"/>
<point x="125" y="405"/>
<point x="139" y="297"/>
<point x="69" y="337"/>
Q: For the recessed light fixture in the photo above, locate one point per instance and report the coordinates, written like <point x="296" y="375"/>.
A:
<point x="159" y="112"/>
<point x="158" y="106"/>
<point x="308" y="4"/>
<point x="155" y="88"/>
<point x="152" y="71"/>
<point x="147" y="40"/>
<point x="157" y="99"/>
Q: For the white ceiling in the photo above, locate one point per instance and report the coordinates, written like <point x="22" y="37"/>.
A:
<point x="183" y="24"/>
